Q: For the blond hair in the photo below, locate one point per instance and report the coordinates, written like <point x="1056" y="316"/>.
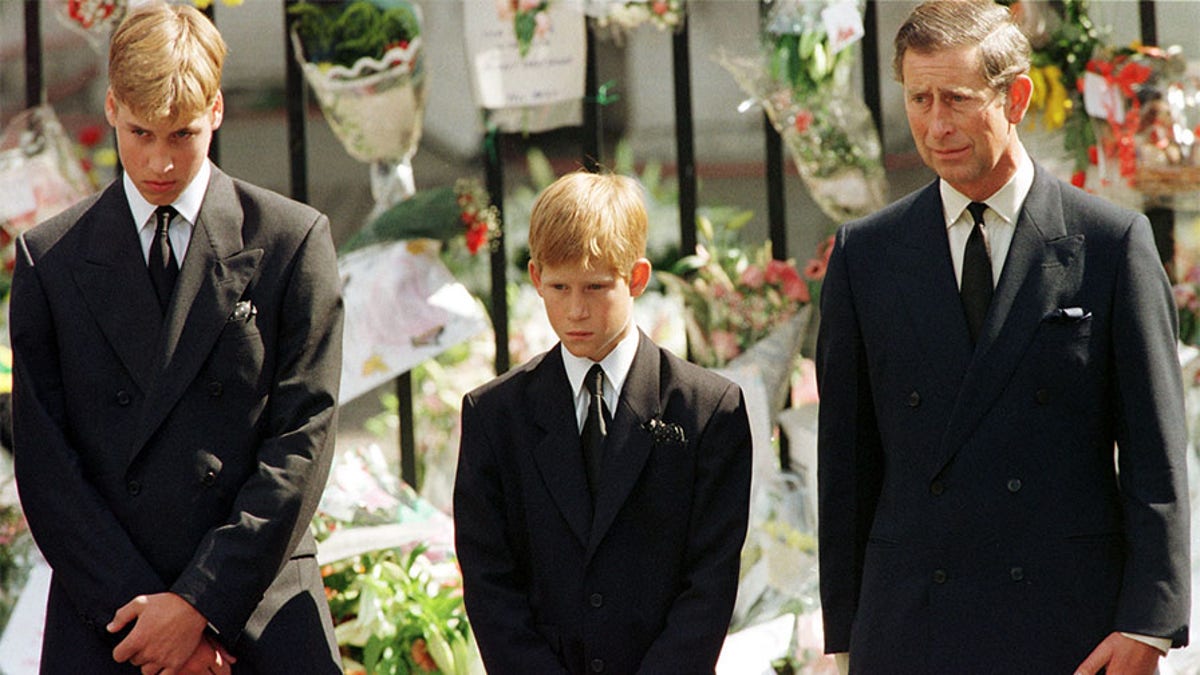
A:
<point x="165" y="62"/>
<point x="595" y="219"/>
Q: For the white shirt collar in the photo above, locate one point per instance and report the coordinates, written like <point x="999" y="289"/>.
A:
<point x="1006" y="202"/>
<point x="187" y="204"/>
<point x="616" y="367"/>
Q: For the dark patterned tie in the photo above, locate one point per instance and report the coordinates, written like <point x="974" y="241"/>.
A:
<point x="163" y="267"/>
<point x="595" y="427"/>
<point x="976" y="289"/>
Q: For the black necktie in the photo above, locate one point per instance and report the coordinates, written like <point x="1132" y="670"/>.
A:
<point x="976" y="289"/>
<point x="163" y="267"/>
<point x="595" y="427"/>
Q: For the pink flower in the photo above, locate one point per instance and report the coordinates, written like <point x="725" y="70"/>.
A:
<point x="724" y="344"/>
<point x="660" y="7"/>
<point x="776" y="271"/>
<point x="815" y="269"/>
<point x="795" y="289"/>
<point x="528" y="5"/>
<point x="752" y="277"/>
<point x="541" y="23"/>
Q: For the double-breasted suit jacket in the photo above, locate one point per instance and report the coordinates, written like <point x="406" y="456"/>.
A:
<point x="972" y="517"/>
<point x="184" y="452"/>
<point x="644" y="582"/>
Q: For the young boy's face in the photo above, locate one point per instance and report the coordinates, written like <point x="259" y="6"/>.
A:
<point x="590" y="310"/>
<point x="162" y="157"/>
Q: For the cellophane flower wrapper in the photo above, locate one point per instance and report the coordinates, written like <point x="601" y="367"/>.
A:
<point x="803" y="85"/>
<point x="376" y="109"/>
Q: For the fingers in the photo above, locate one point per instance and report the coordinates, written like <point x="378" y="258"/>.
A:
<point x="1096" y="660"/>
<point x="128" y="612"/>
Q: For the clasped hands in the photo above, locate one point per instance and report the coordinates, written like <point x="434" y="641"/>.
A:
<point x="167" y="638"/>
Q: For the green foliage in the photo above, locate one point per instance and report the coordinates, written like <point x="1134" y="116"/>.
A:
<point x="394" y="617"/>
<point x="343" y="32"/>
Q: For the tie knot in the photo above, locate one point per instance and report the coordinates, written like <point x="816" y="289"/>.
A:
<point x="595" y="381"/>
<point x="977" y="209"/>
<point x="163" y="216"/>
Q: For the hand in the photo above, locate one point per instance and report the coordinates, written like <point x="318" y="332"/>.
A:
<point x="210" y="657"/>
<point x="1120" y="655"/>
<point x="166" y="631"/>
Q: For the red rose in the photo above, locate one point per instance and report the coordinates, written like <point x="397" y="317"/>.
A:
<point x="1078" y="178"/>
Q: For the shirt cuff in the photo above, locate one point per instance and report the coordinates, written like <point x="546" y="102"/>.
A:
<point x="843" y="662"/>
<point x="1161" y="644"/>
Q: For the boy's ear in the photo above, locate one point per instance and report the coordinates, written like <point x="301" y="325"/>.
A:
<point x="639" y="277"/>
<point x="535" y="277"/>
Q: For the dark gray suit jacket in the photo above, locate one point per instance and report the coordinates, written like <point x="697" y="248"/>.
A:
<point x="644" y="582"/>
<point x="972" y="518"/>
<point x="186" y="452"/>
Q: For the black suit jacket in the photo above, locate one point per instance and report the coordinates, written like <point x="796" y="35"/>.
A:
<point x="644" y="582"/>
<point x="186" y="452"/>
<point x="972" y="518"/>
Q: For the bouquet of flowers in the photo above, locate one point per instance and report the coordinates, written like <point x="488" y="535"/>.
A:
<point x="616" y="17"/>
<point x="1149" y="118"/>
<point x="364" y="61"/>
<point x="390" y="575"/>
<point x="737" y="296"/>
<point x="1064" y="39"/>
<point x="801" y="80"/>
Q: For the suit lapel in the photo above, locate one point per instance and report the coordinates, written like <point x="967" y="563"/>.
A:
<point x="927" y="288"/>
<point x="1042" y="261"/>
<point x="557" y="454"/>
<point x="112" y="278"/>
<point x="627" y="447"/>
<point x="214" y="275"/>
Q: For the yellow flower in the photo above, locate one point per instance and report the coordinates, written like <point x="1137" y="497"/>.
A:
<point x="1050" y="96"/>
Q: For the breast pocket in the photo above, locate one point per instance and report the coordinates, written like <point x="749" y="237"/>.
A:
<point x="1064" y="344"/>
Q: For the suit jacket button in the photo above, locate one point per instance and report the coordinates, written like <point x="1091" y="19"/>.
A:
<point x="937" y="488"/>
<point x="1014" y="485"/>
<point x="596" y="600"/>
<point x="1016" y="573"/>
<point x="1042" y="396"/>
<point x="939" y="576"/>
<point x="597" y="665"/>
<point x="914" y="399"/>
<point x="215" y="388"/>
<point x="133" y="488"/>
<point x="123" y="398"/>
<point x="209" y="478"/>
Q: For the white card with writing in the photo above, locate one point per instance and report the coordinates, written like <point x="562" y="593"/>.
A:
<point x="844" y="25"/>
<point x="551" y="71"/>
<point x="1102" y="98"/>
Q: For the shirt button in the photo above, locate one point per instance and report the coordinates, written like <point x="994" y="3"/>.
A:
<point x="937" y="488"/>
<point x="133" y="488"/>
<point x="1014" y="485"/>
<point x="596" y="600"/>
<point x="914" y="399"/>
<point x="209" y="478"/>
<point x="1042" y="396"/>
<point x="1016" y="573"/>
<point x="215" y="388"/>
<point x="123" y="398"/>
<point x="597" y="665"/>
<point x="939" y="576"/>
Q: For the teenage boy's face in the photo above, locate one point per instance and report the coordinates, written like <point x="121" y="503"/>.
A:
<point x="162" y="157"/>
<point x="590" y="310"/>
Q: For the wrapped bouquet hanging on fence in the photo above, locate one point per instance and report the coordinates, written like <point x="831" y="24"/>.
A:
<point x="802" y="80"/>
<point x="614" y="18"/>
<point x="364" y="61"/>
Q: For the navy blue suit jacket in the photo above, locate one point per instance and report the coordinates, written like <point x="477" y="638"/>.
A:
<point x="644" y="582"/>
<point x="972" y="517"/>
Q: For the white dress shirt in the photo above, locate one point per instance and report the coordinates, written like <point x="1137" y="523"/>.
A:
<point x="616" y="368"/>
<point x="187" y="204"/>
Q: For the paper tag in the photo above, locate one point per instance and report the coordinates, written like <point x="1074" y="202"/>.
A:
<point x="1102" y="99"/>
<point x="16" y="197"/>
<point x="843" y="24"/>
